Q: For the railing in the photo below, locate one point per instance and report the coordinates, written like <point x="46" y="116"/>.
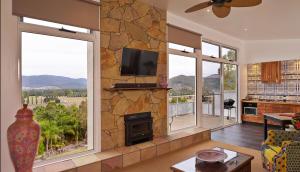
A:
<point x="180" y="107"/>
<point x="211" y="104"/>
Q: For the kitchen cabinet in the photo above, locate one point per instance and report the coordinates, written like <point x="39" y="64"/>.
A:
<point x="270" y="107"/>
<point x="271" y="72"/>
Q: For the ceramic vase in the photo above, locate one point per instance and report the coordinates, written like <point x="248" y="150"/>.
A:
<point x="163" y="81"/>
<point x="23" y="138"/>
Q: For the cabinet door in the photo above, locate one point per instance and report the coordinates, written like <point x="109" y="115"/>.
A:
<point x="271" y="72"/>
<point x="277" y="72"/>
<point x="264" y="72"/>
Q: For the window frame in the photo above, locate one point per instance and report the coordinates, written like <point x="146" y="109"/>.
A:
<point x="220" y="58"/>
<point x="197" y="55"/>
<point x="93" y="51"/>
<point x="214" y="44"/>
<point x="223" y="61"/>
<point x="229" y="48"/>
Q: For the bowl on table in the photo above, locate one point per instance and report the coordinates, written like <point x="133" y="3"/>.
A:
<point x="211" y="156"/>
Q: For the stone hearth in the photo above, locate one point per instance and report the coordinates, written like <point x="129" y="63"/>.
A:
<point x="132" y="24"/>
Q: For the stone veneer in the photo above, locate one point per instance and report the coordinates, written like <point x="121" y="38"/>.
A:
<point x="118" y="158"/>
<point x="131" y="24"/>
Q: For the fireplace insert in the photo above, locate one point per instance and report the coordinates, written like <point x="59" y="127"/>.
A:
<point x="138" y="128"/>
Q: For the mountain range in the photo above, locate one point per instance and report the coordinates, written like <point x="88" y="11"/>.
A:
<point x="52" y="82"/>
<point x="211" y="82"/>
<point x="60" y="82"/>
<point x="182" y="81"/>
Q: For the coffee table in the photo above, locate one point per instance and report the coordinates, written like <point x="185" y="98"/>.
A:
<point x="235" y="162"/>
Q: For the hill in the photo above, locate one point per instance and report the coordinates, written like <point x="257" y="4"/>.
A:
<point x="52" y="82"/>
<point x="182" y="82"/>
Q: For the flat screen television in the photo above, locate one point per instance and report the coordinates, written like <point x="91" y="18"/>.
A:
<point x="138" y="62"/>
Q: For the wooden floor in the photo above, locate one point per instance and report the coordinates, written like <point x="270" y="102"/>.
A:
<point x="245" y="135"/>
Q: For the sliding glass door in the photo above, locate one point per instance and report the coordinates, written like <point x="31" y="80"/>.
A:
<point x="182" y="97"/>
<point x="230" y="86"/>
<point x="211" y="95"/>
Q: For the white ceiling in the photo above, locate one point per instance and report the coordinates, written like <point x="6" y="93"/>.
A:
<point x="273" y="19"/>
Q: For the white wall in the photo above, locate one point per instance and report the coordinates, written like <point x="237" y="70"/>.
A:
<point x="9" y="78"/>
<point x="207" y="33"/>
<point x="216" y="36"/>
<point x="272" y="50"/>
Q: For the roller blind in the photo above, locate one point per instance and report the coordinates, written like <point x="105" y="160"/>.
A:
<point x="184" y="37"/>
<point x="80" y="13"/>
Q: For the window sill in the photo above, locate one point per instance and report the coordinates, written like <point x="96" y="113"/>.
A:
<point x="118" y="158"/>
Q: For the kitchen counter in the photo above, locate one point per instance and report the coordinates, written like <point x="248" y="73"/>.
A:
<point x="272" y="102"/>
<point x="267" y="107"/>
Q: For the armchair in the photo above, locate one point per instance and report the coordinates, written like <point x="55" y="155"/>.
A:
<point x="281" y="151"/>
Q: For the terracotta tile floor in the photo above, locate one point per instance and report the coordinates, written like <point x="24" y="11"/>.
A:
<point x="163" y="163"/>
<point x="208" y="121"/>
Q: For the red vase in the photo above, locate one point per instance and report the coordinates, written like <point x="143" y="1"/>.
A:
<point x="23" y="138"/>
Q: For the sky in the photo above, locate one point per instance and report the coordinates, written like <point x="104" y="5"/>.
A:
<point x="179" y="65"/>
<point x="48" y="55"/>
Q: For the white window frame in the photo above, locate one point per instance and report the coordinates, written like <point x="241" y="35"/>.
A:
<point x="199" y="59"/>
<point x="223" y="61"/>
<point x="93" y="37"/>
<point x="197" y="54"/>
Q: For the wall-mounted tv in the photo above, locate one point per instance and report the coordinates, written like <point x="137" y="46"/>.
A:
<point x="138" y="62"/>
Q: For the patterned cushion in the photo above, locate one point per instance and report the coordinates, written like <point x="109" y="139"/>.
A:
<point x="270" y="152"/>
<point x="281" y="151"/>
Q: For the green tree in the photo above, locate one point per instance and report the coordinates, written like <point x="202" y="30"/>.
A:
<point x="61" y="125"/>
<point x="230" y="77"/>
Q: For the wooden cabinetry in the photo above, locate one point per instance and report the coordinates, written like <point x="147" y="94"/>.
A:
<point x="271" y="72"/>
<point x="269" y="107"/>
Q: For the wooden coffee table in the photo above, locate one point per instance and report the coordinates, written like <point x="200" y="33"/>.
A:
<point x="235" y="162"/>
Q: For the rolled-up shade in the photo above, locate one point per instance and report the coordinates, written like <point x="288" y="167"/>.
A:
<point x="80" y="13"/>
<point x="184" y="37"/>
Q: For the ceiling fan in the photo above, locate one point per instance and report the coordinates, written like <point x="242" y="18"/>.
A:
<point x="221" y="8"/>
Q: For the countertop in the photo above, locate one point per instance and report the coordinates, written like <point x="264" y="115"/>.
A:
<point x="272" y="102"/>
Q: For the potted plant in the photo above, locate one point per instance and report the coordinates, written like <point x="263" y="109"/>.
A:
<point x="296" y="123"/>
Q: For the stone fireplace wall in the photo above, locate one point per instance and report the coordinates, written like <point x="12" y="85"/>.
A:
<point x="131" y="24"/>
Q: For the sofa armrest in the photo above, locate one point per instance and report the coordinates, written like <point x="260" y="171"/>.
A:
<point x="270" y="139"/>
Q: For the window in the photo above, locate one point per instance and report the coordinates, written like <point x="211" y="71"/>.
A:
<point x="220" y="86"/>
<point x="211" y="50"/>
<point x="211" y="95"/>
<point x="54" y="25"/>
<point x="228" y="54"/>
<point x="58" y="83"/>
<point x="181" y="48"/>
<point x="215" y="50"/>
<point x="182" y="97"/>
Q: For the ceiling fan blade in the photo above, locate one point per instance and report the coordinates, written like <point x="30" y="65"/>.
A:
<point x="199" y="7"/>
<point x="221" y="11"/>
<point x="244" y="3"/>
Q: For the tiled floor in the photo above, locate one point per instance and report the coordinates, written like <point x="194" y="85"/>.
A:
<point x="208" y="121"/>
<point x="163" y="163"/>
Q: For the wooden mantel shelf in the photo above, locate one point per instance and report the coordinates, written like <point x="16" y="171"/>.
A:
<point x="134" y="89"/>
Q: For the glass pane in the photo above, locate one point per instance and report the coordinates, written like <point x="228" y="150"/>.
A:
<point x="230" y="94"/>
<point x="181" y="48"/>
<point x="228" y="54"/>
<point x="54" y="85"/>
<point x="54" y="25"/>
<point x="182" y="99"/>
<point x="211" y="95"/>
<point x="210" y="49"/>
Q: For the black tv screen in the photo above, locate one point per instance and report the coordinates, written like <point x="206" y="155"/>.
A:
<point x="138" y="62"/>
